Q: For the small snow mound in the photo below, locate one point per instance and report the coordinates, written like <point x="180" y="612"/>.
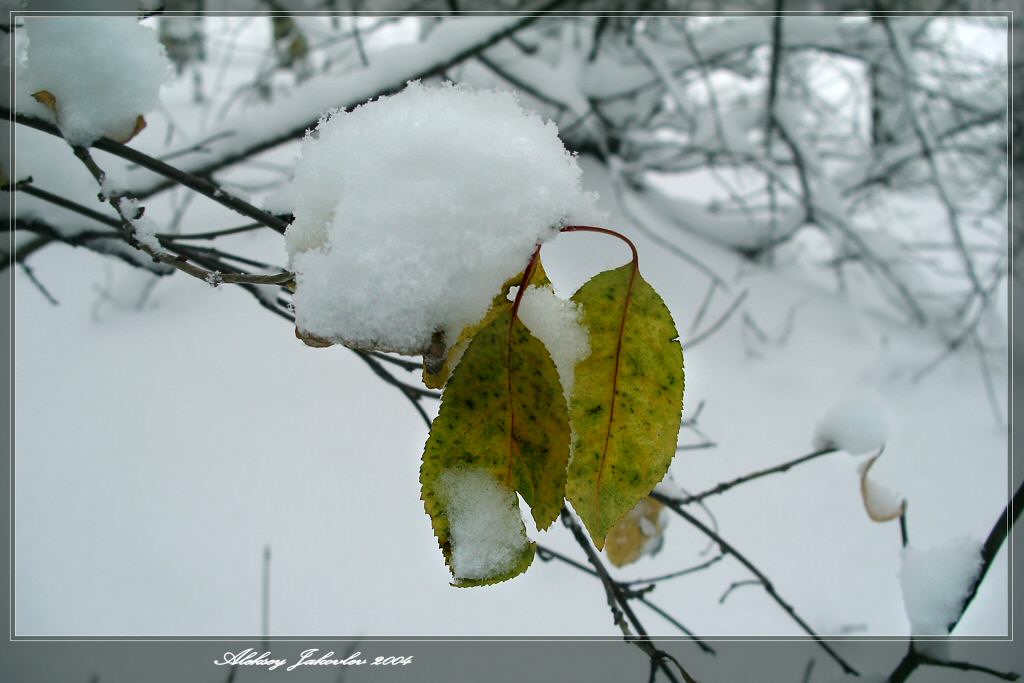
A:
<point x="556" y="322"/>
<point x="856" y="424"/>
<point x="411" y="211"/>
<point x="935" y="582"/>
<point x="103" y="71"/>
<point x="145" y="227"/>
<point x="487" y="532"/>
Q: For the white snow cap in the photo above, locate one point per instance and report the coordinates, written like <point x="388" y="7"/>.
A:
<point x="103" y="71"/>
<point x="935" y="582"/>
<point x="487" y="531"/>
<point x="412" y="210"/>
<point x="856" y="424"/>
<point x="145" y="227"/>
<point x="556" y="323"/>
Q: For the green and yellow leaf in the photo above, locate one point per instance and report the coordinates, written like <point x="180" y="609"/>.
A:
<point x="635" y="533"/>
<point x="627" y="400"/>
<point x="444" y="363"/>
<point x="502" y="413"/>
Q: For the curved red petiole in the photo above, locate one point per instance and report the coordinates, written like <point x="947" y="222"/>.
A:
<point x="531" y="267"/>
<point x="603" y="231"/>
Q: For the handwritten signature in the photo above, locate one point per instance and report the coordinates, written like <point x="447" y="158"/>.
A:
<point x="310" y="657"/>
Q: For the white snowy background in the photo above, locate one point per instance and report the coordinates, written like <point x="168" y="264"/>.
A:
<point x="166" y="432"/>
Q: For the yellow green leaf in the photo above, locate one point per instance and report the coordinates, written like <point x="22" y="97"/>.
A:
<point x="437" y="366"/>
<point x="502" y="414"/>
<point x="46" y="98"/>
<point x="635" y="533"/>
<point x="627" y="400"/>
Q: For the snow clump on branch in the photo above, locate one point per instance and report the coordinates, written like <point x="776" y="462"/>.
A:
<point x="856" y="424"/>
<point x="936" y="582"/>
<point x="102" y="72"/>
<point x="411" y="211"/>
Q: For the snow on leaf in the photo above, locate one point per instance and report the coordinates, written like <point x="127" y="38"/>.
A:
<point x="76" y="68"/>
<point x="487" y="541"/>
<point x="936" y="581"/>
<point x="881" y="503"/>
<point x="639" y="533"/>
<point x="502" y="413"/>
<point x="556" y="322"/>
<point x="627" y="401"/>
<point x="121" y="134"/>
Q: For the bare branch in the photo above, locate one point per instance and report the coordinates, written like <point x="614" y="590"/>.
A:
<point x="191" y="181"/>
<point x="927" y="149"/>
<point x="386" y="75"/>
<point x="620" y="607"/>
<point x="725" y="486"/>
<point x="690" y="343"/>
<point x="994" y="541"/>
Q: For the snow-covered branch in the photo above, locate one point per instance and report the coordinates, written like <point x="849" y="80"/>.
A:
<point x="450" y="43"/>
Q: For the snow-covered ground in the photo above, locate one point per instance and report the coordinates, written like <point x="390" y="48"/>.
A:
<point x="159" y="449"/>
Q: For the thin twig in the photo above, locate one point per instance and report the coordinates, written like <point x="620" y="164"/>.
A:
<point x="690" y="343"/>
<point x="193" y="182"/>
<point x="620" y="606"/>
<point x="816" y="213"/>
<point x="128" y="231"/>
<point x="725" y="486"/>
<point x="390" y="84"/>
<point x="546" y="554"/>
<point x="30" y="189"/>
<point x="928" y="153"/>
<point x="733" y="586"/>
<point x="675" y="622"/>
<point x="986" y="376"/>
<point x="212" y="234"/>
<point x="915" y="658"/>
<point x="676" y="574"/>
<point x="39" y="285"/>
<point x="968" y="329"/>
